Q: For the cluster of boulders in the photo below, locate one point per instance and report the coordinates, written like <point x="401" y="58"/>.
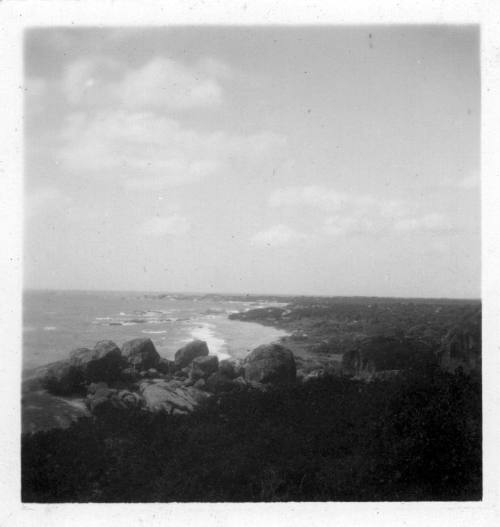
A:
<point x="137" y="377"/>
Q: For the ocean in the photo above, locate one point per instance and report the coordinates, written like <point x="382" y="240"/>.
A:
<point x="56" y="322"/>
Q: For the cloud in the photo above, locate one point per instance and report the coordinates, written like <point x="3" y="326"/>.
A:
<point x="91" y="81"/>
<point x="349" y="214"/>
<point x="124" y="124"/>
<point x="160" y="84"/>
<point x="433" y="222"/>
<point x="159" y="226"/>
<point x="331" y="200"/>
<point x="144" y="150"/>
<point x="276" y="236"/>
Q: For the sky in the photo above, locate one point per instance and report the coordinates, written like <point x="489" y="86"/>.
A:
<point x="319" y="160"/>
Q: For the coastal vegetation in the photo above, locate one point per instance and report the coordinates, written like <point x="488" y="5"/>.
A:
<point x="411" y="437"/>
<point x="363" y="401"/>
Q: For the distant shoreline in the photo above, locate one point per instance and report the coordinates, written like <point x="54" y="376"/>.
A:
<point x="254" y="296"/>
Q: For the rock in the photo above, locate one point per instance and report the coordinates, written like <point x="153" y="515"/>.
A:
<point x="184" y="356"/>
<point x="166" y="367"/>
<point x="104" y="399"/>
<point x="100" y="400"/>
<point x="230" y="368"/>
<point x="129" y="374"/>
<point x="271" y="363"/>
<point x="62" y="378"/>
<point x="130" y="399"/>
<point x="200" y="384"/>
<point x="168" y="396"/>
<point x="242" y="383"/>
<point x="141" y="354"/>
<point x="202" y="367"/>
<point x="105" y="348"/>
<point x="103" y="363"/>
<point x="180" y="375"/>
<point x="94" y="387"/>
<point x="218" y="382"/>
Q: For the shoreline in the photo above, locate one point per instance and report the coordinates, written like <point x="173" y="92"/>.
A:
<point x="42" y="410"/>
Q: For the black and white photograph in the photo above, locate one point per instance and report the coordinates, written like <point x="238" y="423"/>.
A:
<point x="251" y="264"/>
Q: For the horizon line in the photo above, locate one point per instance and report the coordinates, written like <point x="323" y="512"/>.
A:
<point x="205" y="293"/>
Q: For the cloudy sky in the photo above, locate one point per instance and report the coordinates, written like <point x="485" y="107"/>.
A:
<point x="340" y="161"/>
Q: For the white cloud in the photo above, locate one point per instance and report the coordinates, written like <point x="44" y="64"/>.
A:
<point x="433" y="222"/>
<point x="159" y="226"/>
<point x="121" y="125"/>
<point x="276" y="236"/>
<point x="164" y="83"/>
<point x="350" y="214"/>
<point x="334" y="201"/>
<point x="91" y="81"/>
<point x="160" y="84"/>
<point x="144" y="150"/>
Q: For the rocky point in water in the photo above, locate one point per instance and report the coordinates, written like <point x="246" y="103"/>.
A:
<point x="137" y="378"/>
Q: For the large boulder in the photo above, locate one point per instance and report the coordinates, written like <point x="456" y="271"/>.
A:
<point x="271" y="363"/>
<point x="171" y="397"/>
<point x="166" y="367"/>
<point x="103" y="363"/>
<point x="218" y="382"/>
<point x="185" y="355"/>
<point x="141" y="354"/>
<point x="231" y="368"/>
<point x="61" y="378"/>
<point x="202" y="367"/>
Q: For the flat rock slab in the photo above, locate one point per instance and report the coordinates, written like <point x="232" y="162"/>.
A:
<point x="170" y="396"/>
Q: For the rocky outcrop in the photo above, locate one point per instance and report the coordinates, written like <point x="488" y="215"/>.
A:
<point x="171" y="397"/>
<point x="271" y="363"/>
<point x="61" y="378"/>
<point x="166" y="367"/>
<point x="103" y="363"/>
<point x="137" y="378"/>
<point x="218" y="383"/>
<point x="231" y="369"/>
<point x="185" y="355"/>
<point x="141" y="354"/>
<point x="202" y="367"/>
<point x="103" y="399"/>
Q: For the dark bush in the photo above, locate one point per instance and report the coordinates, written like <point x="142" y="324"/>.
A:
<point x="408" y="438"/>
